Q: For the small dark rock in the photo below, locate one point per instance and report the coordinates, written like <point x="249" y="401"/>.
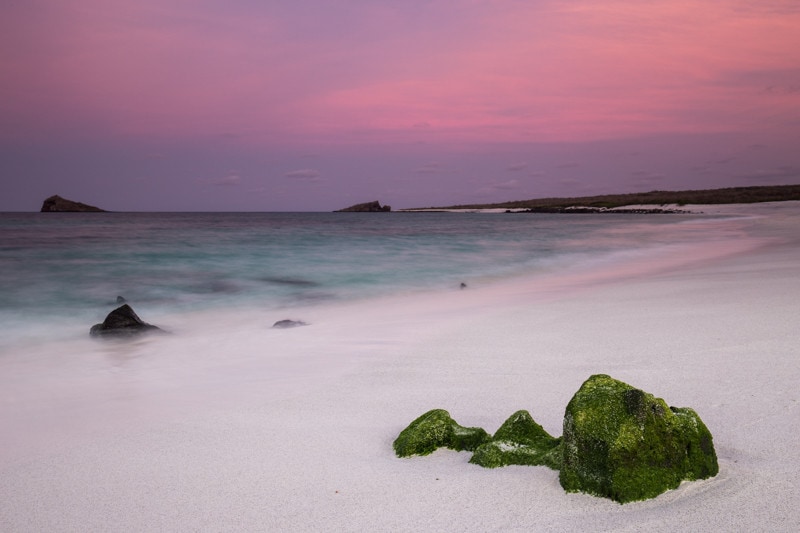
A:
<point x="121" y="300"/>
<point x="122" y="321"/>
<point x="463" y="285"/>
<point x="285" y="324"/>
<point x="289" y="281"/>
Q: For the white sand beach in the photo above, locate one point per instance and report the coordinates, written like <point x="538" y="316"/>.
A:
<point x="238" y="427"/>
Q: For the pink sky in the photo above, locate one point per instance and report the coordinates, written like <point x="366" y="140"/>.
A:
<point x="306" y="105"/>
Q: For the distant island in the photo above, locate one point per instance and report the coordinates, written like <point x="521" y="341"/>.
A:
<point x="585" y="204"/>
<point x="57" y="204"/>
<point x="368" y="207"/>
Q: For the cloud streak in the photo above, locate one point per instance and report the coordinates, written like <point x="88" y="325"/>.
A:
<point x="304" y="174"/>
<point x="231" y="179"/>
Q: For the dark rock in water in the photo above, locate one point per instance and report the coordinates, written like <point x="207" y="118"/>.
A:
<point x="121" y="300"/>
<point x="57" y="204"/>
<point x="625" y="444"/>
<point x="436" y="429"/>
<point x="368" y="207"/>
<point x="122" y="321"/>
<point x="292" y="282"/>
<point x="519" y="441"/>
<point x="463" y="285"/>
<point x="284" y="324"/>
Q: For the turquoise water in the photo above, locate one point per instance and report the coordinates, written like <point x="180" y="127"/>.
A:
<point x="68" y="269"/>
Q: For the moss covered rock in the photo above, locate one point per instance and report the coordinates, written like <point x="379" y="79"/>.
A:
<point x="519" y="441"/>
<point x="436" y="429"/>
<point x="625" y="444"/>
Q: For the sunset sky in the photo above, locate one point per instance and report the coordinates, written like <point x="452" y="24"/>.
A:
<point x="312" y="105"/>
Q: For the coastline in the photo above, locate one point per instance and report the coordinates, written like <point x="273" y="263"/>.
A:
<point x="292" y="430"/>
<point x="604" y="202"/>
<point x="694" y="209"/>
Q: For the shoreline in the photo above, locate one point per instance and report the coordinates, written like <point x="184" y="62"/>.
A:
<point x="637" y="209"/>
<point x="237" y="427"/>
<point x="719" y="196"/>
<point x="686" y="209"/>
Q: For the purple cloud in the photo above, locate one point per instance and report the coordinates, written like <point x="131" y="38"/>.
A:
<point x="307" y="174"/>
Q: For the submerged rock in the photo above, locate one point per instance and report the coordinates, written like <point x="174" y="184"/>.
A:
<point x="519" y="441"/>
<point x="57" y="204"/>
<point x="122" y="321"/>
<point x="436" y="429"/>
<point x="290" y="281"/>
<point x="284" y="324"/>
<point x="625" y="444"/>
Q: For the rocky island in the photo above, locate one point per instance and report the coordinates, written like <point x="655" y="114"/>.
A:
<point x="57" y="204"/>
<point x="368" y="207"/>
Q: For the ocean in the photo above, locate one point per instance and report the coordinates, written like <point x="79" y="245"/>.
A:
<point x="60" y="273"/>
<point x="225" y="422"/>
<point x="372" y="289"/>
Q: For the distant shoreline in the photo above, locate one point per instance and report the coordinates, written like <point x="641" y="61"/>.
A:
<point x="650" y="209"/>
<point x="734" y="209"/>
<point x="645" y="202"/>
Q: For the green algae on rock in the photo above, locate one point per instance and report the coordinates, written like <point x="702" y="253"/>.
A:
<point x="519" y="441"/>
<point x="625" y="444"/>
<point x="436" y="429"/>
<point x="619" y="442"/>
